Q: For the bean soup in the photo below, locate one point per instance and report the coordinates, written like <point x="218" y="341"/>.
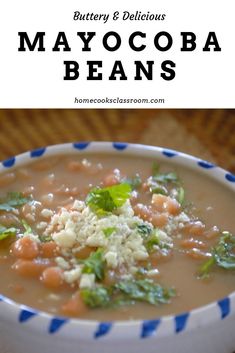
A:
<point x="114" y="238"/>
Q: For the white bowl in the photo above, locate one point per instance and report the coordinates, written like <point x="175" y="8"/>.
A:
<point x="208" y="329"/>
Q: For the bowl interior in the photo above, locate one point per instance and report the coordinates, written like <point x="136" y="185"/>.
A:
<point x="142" y="328"/>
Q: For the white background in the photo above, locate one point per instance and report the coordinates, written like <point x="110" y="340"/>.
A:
<point x="35" y="79"/>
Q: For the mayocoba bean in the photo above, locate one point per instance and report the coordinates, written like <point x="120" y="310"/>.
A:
<point x="74" y="306"/>
<point x="83" y="253"/>
<point x="74" y="166"/>
<point x="26" y="209"/>
<point x="158" y="219"/>
<point x="49" y="249"/>
<point x="7" y="219"/>
<point x="25" y="248"/>
<point x="212" y="232"/>
<point x="194" y="228"/>
<point x="157" y="257"/>
<point x="110" y="277"/>
<point x="142" y="211"/>
<point x="197" y="254"/>
<point x="193" y="243"/>
<point x="47" y="199"/>
<point x="52" y="277"/>
<point x="112" y="178"/>
<point x="162" y="203"/>
<point x="30" y="268"/>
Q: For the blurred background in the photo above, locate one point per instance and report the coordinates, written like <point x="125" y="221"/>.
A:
<point x="208" y="134"/>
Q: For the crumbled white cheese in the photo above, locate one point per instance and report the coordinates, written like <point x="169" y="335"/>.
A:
<point x="111" y="259"/>
<point x="86" y="229"/>
<point x="65" y="238"/>
<point x="33" y="237"/>
<point x="79" y="227"/>
<point x="149" y="181"/>
<point x="182" y="217"/>
<point x="163" y="237"/>
<point x="66" y="253"/>
<point x="30" y="217"/>
<point x="164" y="252"/>
<point x="126" y="209"/>
<point x="46" y="213"/>
<point x="97" y="240"/>
<point x="78" y="205"/>
<point x="42" y="225"/>
<point x="140" y="255"/>
<point x="73" y="275"/>
<point x="87" y="280"/>
<point x="53" y="296"/>
<point x="176" y="222"/>
<point x="152" y="273"/>
<point x="86" y="163"/>
<point x="133" y="270"/>
<point x="62" y="263"/>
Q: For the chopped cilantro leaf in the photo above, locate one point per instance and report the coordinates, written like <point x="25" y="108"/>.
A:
<point x="96" y="297"/>
<point x="224" y="252"/>
<point x="127" y="292"/>
<point x="222" y="255"/>
<point x="155" y="168"/>
<point x="109" y="231"/>
<point x="206" y="267"/>
<point x="180" y="195"/>
<point x="108" y="199"/>
<point x="134" y="182"/>
<point x="166" y="178"/>
<point x="28" y="229"/>
<point x="144" y="229"/>
<point x="100" y="201"/>
<point x="45" y="238"/>
<point x="12" y="201"/>
<point x="152" y="240"/>
<point x="155" y="188"/>
<point x="94" y="264"/>
<point x="7" y="232"/>
<point x="141" y="272"/>
<point x="145" y="290"/>
<point x="159" y="182"/>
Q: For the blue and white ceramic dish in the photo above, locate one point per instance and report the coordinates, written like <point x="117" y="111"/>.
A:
<point x="208" y="329"/>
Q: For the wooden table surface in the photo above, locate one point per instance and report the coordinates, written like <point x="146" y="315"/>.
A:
<point x="208" y="134"/>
